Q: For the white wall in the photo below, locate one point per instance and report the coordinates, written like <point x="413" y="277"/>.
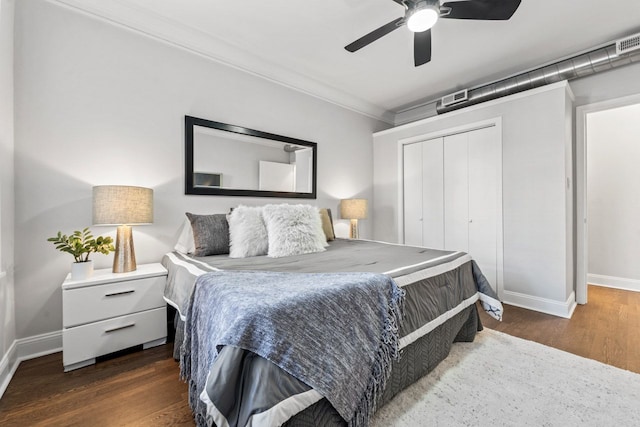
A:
<point x="607" y="85"/>
<point x="537" y="206"/>
<point x="613" y="186"/>
<point x="100" y="104"/>
<point x="7" y="307"/>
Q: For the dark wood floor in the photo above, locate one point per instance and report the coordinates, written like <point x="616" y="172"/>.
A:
<point x="140" y="388"/>
<point x="606" y="329"/>
<point x="143" y="389"/>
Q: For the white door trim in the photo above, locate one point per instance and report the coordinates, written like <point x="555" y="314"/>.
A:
<point x="497" y="122"/>
<point x="582" y="226"/>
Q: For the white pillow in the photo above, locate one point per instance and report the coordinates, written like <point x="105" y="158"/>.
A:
<point x="247" y="232"/>
<point x="293" y="230"/>
<point x="186" y="244"/>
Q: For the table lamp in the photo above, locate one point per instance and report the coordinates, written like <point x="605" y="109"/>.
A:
<point x="123" y="206"/>
<point x="353" y="209"/>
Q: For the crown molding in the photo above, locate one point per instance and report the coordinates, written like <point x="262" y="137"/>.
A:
<point x="179" y="35"/>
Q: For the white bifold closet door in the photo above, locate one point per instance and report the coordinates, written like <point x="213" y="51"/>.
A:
<point x="456" y="193"/>
<point x="483" y="200"/>
<point x="412" y="183"/>
<point x="451" y="195"/>
<point x="423" y="196"/>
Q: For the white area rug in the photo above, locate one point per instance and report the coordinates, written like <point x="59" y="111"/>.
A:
<point x="500" y="380"/>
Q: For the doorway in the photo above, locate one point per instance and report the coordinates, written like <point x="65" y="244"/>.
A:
<point x="608" y="203"/>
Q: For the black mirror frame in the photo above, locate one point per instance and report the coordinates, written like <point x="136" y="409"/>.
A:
<point x="190" y="188"/>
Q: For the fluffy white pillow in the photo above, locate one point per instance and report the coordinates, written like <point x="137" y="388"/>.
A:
<point x="186" y="244"/>
<point x="293" y="230"/>
<point x="247" y="232"/>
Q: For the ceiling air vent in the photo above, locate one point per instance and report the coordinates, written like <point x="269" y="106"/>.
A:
<point x="628" y="44"/>
<point x="454" y="98"/>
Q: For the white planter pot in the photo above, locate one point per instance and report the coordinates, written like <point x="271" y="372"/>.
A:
<point x="81" y="270"/>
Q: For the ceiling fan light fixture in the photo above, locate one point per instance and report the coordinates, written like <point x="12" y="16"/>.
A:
<point x="423" y="17"/>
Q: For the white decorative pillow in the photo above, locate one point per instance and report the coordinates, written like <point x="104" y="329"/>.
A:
<point x="247" y="232"/>
<point x="186" y="244"/>
<point x="293" y="230"/>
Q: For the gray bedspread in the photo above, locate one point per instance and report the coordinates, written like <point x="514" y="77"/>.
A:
<point x="250" y="390"/>
<point x="342" y="255"/>
<point x="336" y="332"/>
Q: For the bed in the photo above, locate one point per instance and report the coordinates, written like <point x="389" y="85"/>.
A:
<point x="442" y="290"/>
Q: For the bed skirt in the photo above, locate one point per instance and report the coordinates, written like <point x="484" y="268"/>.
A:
<point x="416" y="360"/>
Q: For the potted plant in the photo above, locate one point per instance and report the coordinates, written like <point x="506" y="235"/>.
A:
<point x="81" y="244"/>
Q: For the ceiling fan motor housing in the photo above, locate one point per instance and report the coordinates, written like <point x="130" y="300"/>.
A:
<point x="422" y="15"/>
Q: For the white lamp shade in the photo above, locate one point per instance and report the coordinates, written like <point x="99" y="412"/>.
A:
<point x="122" y="204"/>
<point x="353" y="208"/>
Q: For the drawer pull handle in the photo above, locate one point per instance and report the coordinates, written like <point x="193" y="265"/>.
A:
<point x="130" y="325"/>
<point x="120" y="293"/>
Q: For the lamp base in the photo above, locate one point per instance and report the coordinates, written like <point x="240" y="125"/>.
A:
<point x="353" y="231"/>
<point x="124" y="260"/>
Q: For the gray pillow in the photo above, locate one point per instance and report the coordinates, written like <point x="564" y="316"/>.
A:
<point x="210" y="234"/>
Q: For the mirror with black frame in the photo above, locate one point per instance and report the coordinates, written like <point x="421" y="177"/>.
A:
<point x="228" y="160"/>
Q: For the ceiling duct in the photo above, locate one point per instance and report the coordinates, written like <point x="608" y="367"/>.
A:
<point x="622" y="52"/>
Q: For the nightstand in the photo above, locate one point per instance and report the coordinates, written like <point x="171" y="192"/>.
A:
<point x="112" y="311"/>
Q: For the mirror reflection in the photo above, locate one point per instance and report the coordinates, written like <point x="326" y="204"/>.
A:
<point x="230" y="160"/>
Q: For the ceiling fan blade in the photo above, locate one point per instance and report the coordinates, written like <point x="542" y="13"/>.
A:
<point x="492" y="10"/>
<point x="422" y="47"/>
<point x="375" y="35"/>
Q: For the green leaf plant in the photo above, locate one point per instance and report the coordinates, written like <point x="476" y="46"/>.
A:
<point x="81" y="244"/>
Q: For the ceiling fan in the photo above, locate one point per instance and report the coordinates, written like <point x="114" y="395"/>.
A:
<point x="421" y="15"/>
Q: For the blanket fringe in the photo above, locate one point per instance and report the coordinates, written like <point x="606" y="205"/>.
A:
<point x="388" y="352"/>
<point x="185" y="370"/>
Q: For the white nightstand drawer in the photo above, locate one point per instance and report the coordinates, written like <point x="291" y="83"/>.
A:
<point x="100" y="338"/>
<point x="98" y="302"/>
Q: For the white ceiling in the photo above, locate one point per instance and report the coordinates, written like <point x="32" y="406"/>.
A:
<point x="301" y="43"/>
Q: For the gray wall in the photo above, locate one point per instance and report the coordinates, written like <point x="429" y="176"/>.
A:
<point x="7" y="311"/>
<point x="536" y="204"/>
<point x="100" y="104"/>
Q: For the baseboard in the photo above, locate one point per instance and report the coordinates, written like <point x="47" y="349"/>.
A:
<point x="24" y="349"/>
<point x="614" y="282"/>
<point x="39" y="345"/>
<point x="8" y="366"/>
<point x="544" y="305"/>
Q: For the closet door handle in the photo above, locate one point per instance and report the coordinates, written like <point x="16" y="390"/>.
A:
<point x="470" y="221"/>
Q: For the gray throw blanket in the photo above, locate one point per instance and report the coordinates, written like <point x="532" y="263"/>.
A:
<point x="336" y="332"/>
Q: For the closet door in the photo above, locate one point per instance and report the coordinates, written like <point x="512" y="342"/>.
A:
<point x="412" y="167"/>
<point x="451" y="196"/>
<point x="433" y="194"/>
<point x="484" y="159"/>
<point x="456" y="193"/>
